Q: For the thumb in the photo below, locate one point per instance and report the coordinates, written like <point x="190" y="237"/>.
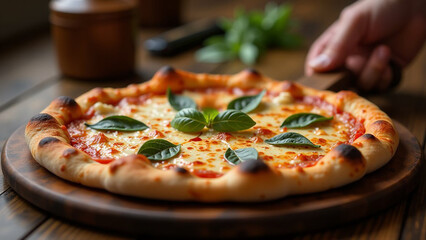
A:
<point x="350" y="27"/>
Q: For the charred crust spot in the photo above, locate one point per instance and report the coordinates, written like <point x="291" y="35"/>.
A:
<point x="252" y="71"/>
<point x="42" y="117"/>
<point x="68" y="152"/>
<point x="181" y="170"/>
<point x="66" y="101"/>
<point x="349" y="152"/>
<point x="369" y="136"/>
<point x="253" y="166"/>
<point x="47" y="140"/>
<point x="167" y="70"/>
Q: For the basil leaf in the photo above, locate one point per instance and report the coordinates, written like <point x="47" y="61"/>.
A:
<point x="246" y="103"/>
<point x="179" y="102"/>
<point x="231" y="121"/>
<point x="215" y="53"/>
<point x="240" y="155"/>
<point x="290" y="139"/>
<point x="249" y="53"/>
<point x="300" y="120"/>
<point x="249" y="34"/>
<point x="189" y="120"/>
<point x="118" y="123"/>
<point x="210" y="114"/>
<point x="159" y="149"/>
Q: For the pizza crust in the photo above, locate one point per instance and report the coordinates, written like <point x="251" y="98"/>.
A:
<point x="250" y="181"/>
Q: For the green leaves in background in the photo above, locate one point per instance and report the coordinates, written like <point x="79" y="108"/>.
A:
<point x="290" y="139"/>
<point x="300" y="120"/>
<point x="159" y="149"/>
<point x="118" y="123"/>
<point x="179" y="102"/>
<point x="249" y="53"/>
<point x="249" y="34"/>
<point x="246" y="103"/>
<point x="240" y="155"/>
<point x="216" y="53"/>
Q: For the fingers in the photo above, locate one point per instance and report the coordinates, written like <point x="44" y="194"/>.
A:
<point x="346" y="36"/>
<point x="318" y="46"/>
<point x="406" y="44"/>
<point x="375" y="74"/>
<point x="386" y="80"/>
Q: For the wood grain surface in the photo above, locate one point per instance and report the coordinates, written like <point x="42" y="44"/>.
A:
<point x="29" y="80"/>
<point x="99" y="208"/>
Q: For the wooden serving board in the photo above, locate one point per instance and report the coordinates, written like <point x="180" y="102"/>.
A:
<point x="99" y="208"/>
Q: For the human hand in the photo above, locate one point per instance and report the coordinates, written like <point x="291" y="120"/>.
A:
<point x="368" y="37"/>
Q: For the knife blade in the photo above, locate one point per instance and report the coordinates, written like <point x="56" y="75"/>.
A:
<point x="334" y="81"/>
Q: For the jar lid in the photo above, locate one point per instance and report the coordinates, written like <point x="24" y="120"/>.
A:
<point x="77" y="12"/>
<point x="92" y="6"/>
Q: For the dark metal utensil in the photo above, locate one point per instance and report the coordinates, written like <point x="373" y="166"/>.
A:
<point x="182" y="38"/>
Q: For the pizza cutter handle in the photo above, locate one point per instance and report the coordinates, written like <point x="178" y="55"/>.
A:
<point x="344" y="79"/>
<point x="334" y="81"/>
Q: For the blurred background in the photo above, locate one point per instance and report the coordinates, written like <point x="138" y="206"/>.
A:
<point x="25" y="28"/>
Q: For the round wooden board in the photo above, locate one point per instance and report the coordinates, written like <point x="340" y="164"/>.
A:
<point x="99" y="208"/>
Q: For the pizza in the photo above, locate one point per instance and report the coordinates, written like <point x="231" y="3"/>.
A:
<point x="211" y="138"/>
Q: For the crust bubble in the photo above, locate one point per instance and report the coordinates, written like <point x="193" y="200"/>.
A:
<point x="42" y="117"/>
<point x="167" y="70"/>
<point x="349" y="152"/>
<point x="253" y="166"/>
<point x="47" y="140"/>
<point x="369" y="136"/>
<point x="66" y="101"/>
<point x="181" y="170"/>
<point x="252" y="71"/>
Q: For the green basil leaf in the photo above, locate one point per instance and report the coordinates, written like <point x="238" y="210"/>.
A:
<point x="300" y="120"/>
<point x="210" y="114"/>
<point x="240" y="155"/>
<point x="159" y="149"/>
<point x="231" y="121"/>
<point x="118" y="123"/>
<point x="216" y="53"/>
<point x="189" y="120"/>
<point x="250" y="33"/>
<point x="249" y="53"/>
<point x="246" y="103"/>
<point x="290" y="139"/>
<point x="179" y="102"/>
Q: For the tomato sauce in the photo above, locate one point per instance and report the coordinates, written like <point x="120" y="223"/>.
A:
<point x="356" y="128"/>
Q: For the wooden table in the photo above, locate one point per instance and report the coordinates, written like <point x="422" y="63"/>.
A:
<point x="29" y="80"/>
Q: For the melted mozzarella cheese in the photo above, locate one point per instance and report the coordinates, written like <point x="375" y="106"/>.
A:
<point x="205" y="150"/>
